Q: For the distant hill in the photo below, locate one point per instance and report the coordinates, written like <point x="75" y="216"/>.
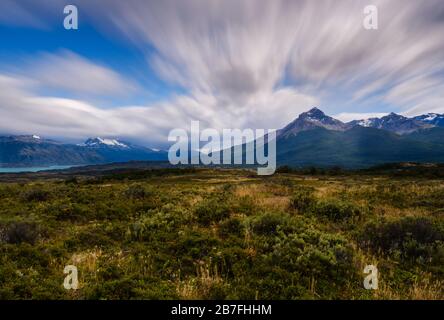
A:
<point x="356" y="147"/>
<point x="18" y="151"/>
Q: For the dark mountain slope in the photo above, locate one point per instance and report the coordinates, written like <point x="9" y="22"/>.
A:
<point x="357" y="147"/>
<point x="432" y="135"/>
<point x="29" y="151"/>
<point x="34" y="151"/>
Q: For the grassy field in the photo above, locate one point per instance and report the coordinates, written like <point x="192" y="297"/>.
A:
<point x="221" y="234"/>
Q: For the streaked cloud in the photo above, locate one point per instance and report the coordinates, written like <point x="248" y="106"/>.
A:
<point x="23" y="111"/>
<point x="72" y="73"/>
<point x="346" y="117"/>
<point x="17" y="13"/>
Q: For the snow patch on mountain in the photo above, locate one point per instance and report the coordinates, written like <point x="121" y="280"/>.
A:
<point x="430" y="117"/>
<point x="365" y="123"/>
<point x="104" y="141"/>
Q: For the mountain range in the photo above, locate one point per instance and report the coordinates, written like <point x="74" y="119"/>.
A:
<point x="29" y="151"/>
<point x="312" y="139"/>
<point x="393" y="122"/>
<point x="319" y="140"/>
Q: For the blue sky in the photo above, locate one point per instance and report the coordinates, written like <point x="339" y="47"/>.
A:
<point x="22" y="43"/>
<point x="137" y="69"/>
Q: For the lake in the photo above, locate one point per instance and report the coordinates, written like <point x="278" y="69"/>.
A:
<point x="32" y="169"/>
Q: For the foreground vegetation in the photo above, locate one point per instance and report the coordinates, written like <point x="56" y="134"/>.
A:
<point x="221" y="234"/>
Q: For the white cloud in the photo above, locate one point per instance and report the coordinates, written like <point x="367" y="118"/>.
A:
<point x="24" y="112"/>
<point x="235" y="49"/>
<point x="419" y="95"/>
<point x="347" y="117"/>
<point x="74" y="74"/>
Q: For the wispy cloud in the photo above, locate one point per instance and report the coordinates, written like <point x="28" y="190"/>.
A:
<point x="346" y="116"/>
<point x="74" y="74"/>
<point x="17" y="13"/>
<point x="235" y="49"/>
<point x="23" y="111"/>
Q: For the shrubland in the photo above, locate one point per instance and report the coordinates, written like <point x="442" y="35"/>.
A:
<point x="222" y="234"/>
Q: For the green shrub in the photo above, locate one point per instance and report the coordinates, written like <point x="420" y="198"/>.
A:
<point x="313" y="252"/>
<point x="231" y="227"/>
<point x="90" y="237"/>
<point x="268" y="223"/>
<point x="132" y="287"/>
<point x="152" y="224"/>
<point x="35" y="195"/>
<point x="336" y="210"/>
<point x="244" y="205"/>
<point x="69" y="212"/>
<point x="18" y="232"/>
<point x="408" y="239"/>
<point x="303" y="199"/>
<point x="137" y="191"/>
<point x="189" y="247"/>
<point x="211" y="211"/>
<point x="288" y="267"/>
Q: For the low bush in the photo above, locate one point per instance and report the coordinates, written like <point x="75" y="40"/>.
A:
<point x="37" y="195"/>
<point x="211" y="211"/>
<point x="336" y="210"/>
<point x="303" y="199"/>
<point x="154" y="224"/>
<point x="18" y="232"/>
<point x="244" y="205"/>
<point x="231" y="227"/>
<point x="137" y="191"/>
<point x="269" y="223"/>
<point x="408" y="239"/>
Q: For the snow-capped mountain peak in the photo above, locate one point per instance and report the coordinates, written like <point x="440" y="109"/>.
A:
<point x="314" y="113"/>
<point x="314" y="118"/>
<point x="392" y="117"/>
<point x="394" y="122"/>
<point x="435" y="119"/>
<point x="96" y="142"/>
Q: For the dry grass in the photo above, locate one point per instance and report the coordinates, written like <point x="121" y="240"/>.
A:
<point x="426" y="289"/>
<point x="274" y="203"/>
<point x="87" y="260"/>
<point x="252" y="190"/>
<point x="87" y="264"/>
<point x="390" y="211"/>
<point x="199" y="287"/>
<point x="268" y="197"/>
<point x="423" y="289"/>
